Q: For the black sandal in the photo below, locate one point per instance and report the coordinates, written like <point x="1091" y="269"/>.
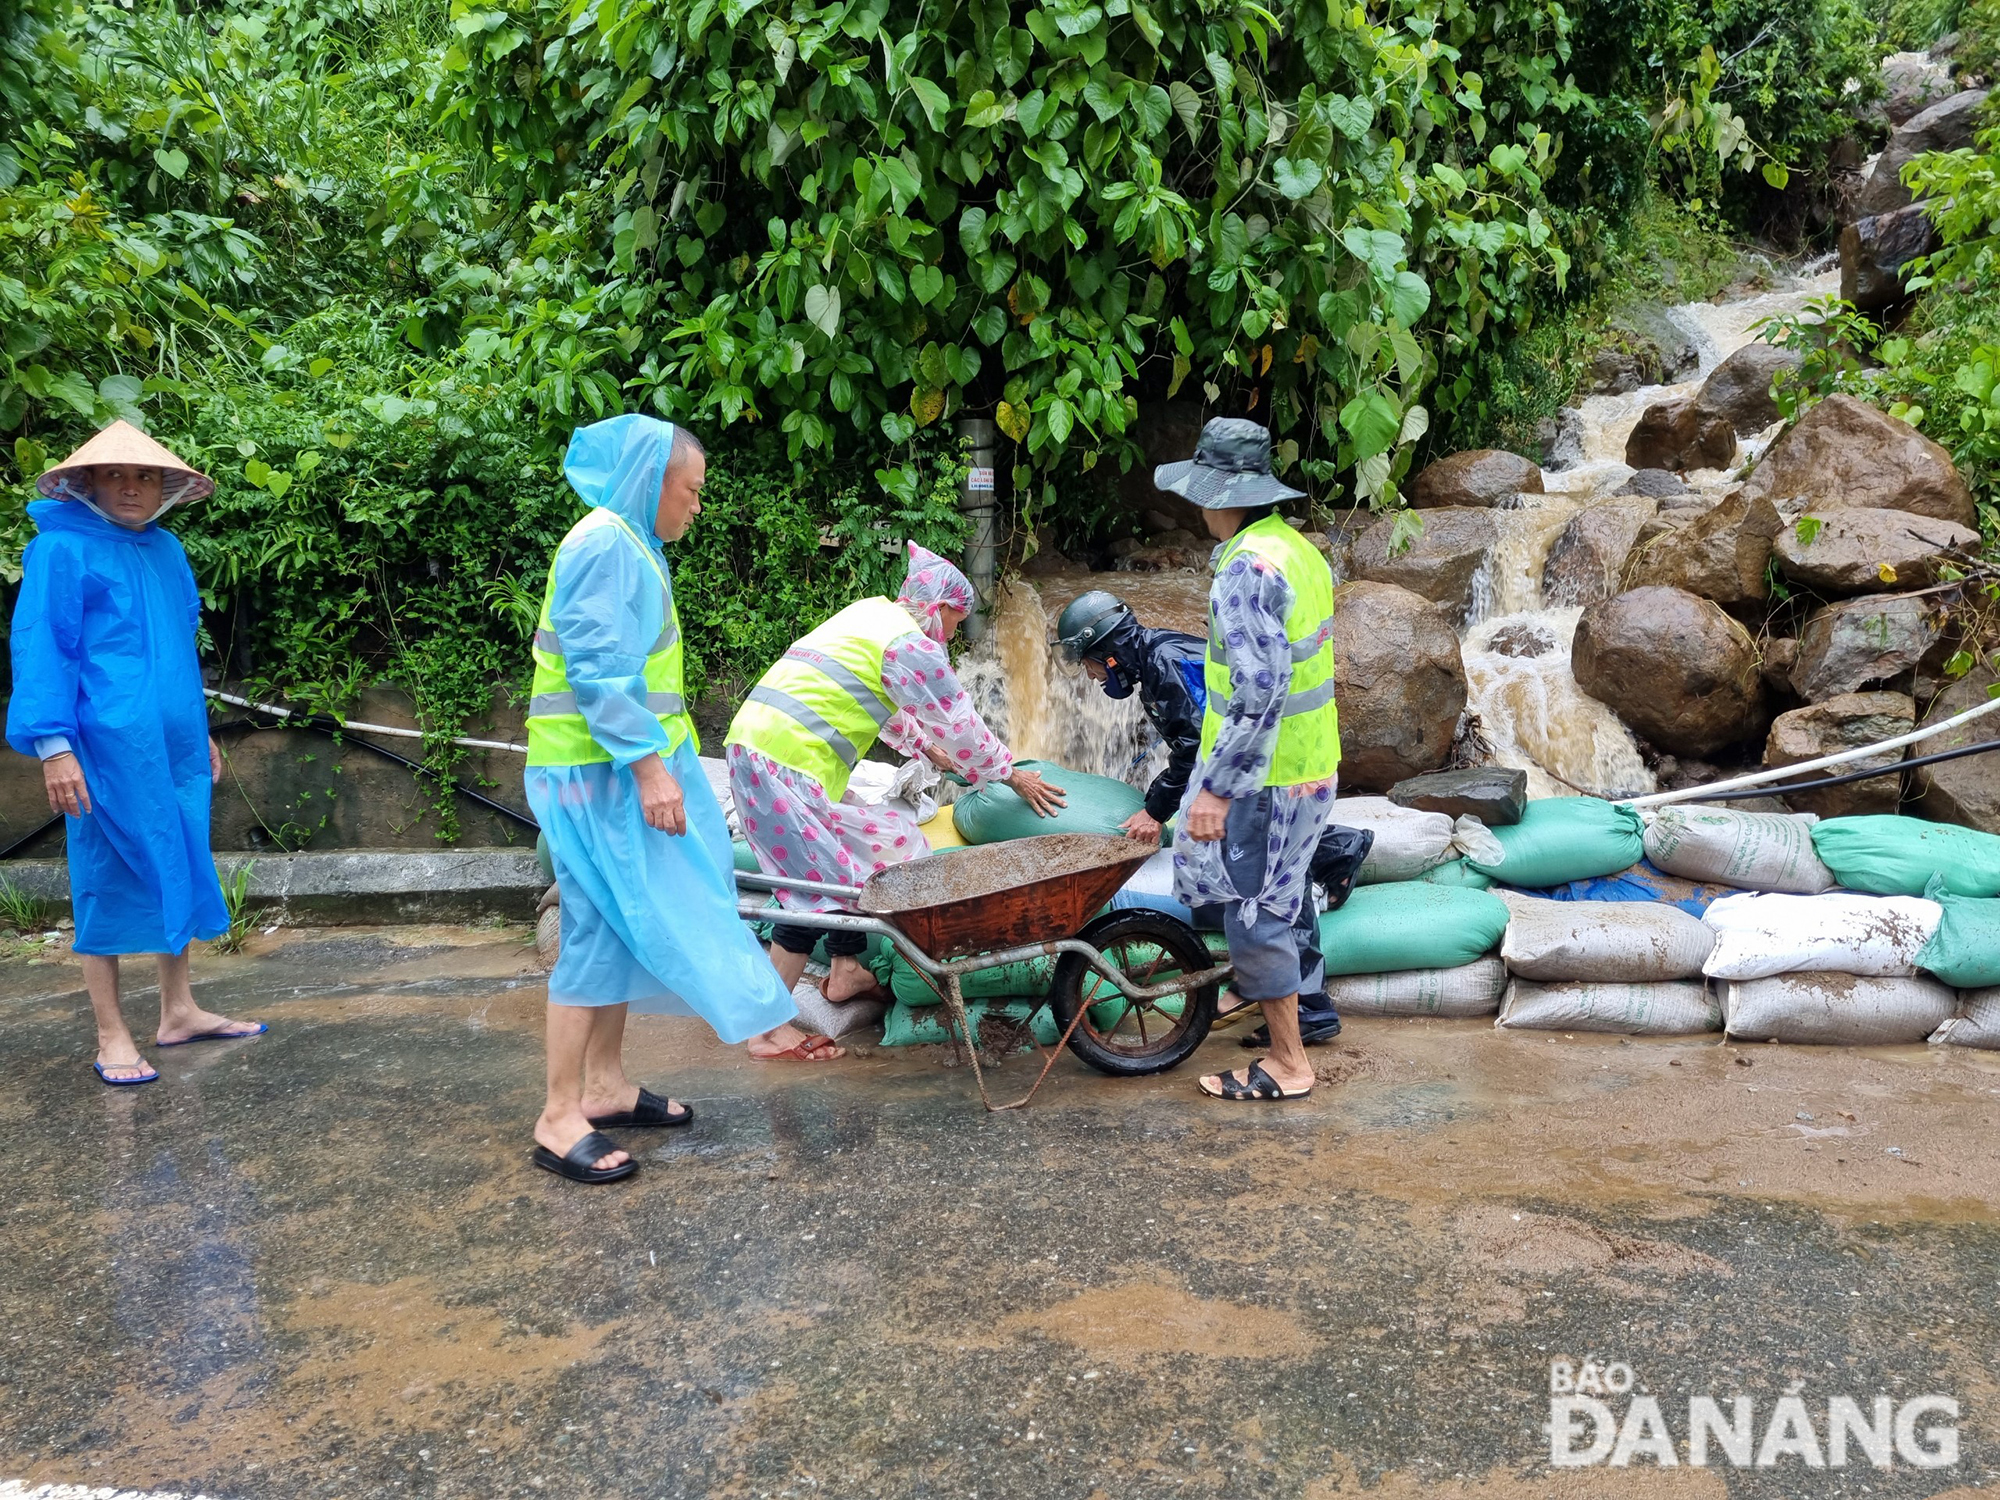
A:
<point x="1256" y="1084"/>
<point x="577" y="1163"/>
<point x="648" y="1109"/>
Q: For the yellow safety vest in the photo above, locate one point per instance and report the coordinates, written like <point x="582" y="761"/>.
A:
<point x="822" y="703"/>
<point x="557" y="733"/>
<point x="1309" y="733"/>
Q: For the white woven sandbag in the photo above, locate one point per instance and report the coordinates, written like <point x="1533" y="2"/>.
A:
<point x="1605" y="942"/>
<point x="1680" y="1007"/>
<point x="1408" y="841"/>
<point x="1756" y="851"/>
<point x="1847" y="1010"/>
<point x="1977" y="1023"/>
<point x="1840" y="933"/>
<point x="822" y="1017"/>
<point x="1469" y="990"/>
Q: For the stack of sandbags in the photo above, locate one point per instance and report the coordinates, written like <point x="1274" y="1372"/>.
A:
<point x="1413" y="948"/>
<point x="1630" y="967"/>
<point x="1838" y="968"/>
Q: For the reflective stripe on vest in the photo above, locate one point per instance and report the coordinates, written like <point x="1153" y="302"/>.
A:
<point x="558" y="734"/>
<point x="1308" y="747"/>
<point x="821" y="705"/>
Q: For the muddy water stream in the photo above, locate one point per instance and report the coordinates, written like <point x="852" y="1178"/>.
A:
<point x="1516" y="644"/>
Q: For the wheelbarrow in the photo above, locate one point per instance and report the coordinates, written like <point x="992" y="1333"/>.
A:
<point x="1134" y="991"/>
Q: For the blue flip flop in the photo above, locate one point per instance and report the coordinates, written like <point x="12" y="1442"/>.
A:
<point x="217" y="1036"/>
<point x="125" y="1083"/>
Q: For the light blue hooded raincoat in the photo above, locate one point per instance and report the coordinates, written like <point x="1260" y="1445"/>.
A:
<point x="648" y="918"/>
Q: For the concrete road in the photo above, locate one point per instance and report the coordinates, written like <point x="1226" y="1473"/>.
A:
<point x="319" y="1263"/>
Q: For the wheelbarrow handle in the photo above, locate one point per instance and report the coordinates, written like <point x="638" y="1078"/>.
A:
<point x="756" y="880"/>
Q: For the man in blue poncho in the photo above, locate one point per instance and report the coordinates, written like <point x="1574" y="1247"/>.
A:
<point x="641" y="851"/>
<point x="107" y="694"/>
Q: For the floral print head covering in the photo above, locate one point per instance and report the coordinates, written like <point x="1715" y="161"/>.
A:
<point x="931" y="585"/>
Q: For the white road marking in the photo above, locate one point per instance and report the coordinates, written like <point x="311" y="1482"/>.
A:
<point x="19" y="1489"/>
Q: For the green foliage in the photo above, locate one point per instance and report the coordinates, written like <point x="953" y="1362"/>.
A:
<point x="236" y="897"/>
<point x="22" y="912"/>
<point x="851" y="219"/>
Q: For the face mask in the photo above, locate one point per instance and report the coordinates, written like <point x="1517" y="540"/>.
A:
<point x="1116" y="683"/>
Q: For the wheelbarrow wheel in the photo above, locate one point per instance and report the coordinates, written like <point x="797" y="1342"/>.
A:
<point x="1116" y="1035"/>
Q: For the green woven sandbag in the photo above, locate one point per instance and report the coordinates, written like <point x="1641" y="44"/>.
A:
<point x="1456" y="872"/>
<point x="1885" y="855"/>
<point x="1028" y="978"/>
<point x="1965" y="950"/>
<point x="907" y="1026"/>
<point x="1410" y="924"/>
<point x="995" y="813"/>
<point x="746" y="857"/>
<point x="1560" y="839"/>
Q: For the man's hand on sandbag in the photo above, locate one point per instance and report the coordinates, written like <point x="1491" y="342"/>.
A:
<point x="1044" y="797"/>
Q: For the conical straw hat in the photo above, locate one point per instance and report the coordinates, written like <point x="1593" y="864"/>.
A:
<point x="122" y="443"/>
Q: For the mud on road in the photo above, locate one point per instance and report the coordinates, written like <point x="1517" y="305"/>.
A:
<point x="319" y="1264"/>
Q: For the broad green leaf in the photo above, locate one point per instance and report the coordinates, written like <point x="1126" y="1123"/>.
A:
<point x="1187" y="105"/>
<point x="1776" y="175"/>
<point x="934" y="102"/>
<point x="1351" y="117"/>
<point x="823" y="309"/>
<point x="1156" y="109"/>
<point x="1807" y="528"/>
<point x="1409" y="298"/>
<point x="174" y="163"/>
<point x="926" y="282"/>
<point x="1379" y="249"/>
<point x="1372" y="419"/>
<point x="1296" y="180"/>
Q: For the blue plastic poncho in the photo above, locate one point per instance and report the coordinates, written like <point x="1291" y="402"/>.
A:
<point x="105" y="661"/>
<point x="648" y="918"/>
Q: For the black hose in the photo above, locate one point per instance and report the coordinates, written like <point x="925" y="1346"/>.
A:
<point x="1813" y="786"/>
<point x="332" y="729"/>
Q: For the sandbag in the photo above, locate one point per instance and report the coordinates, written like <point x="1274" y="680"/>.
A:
<point x="940" y="832"/>
<point x="1977" y="1023"/>
<point x="1839" y="933"/>
<point x="1643" y="882"/>
<point x="1457" y="872"/>
<point x="819" y="1016"/>
<point x="1407" y="840"/>
<point x="745" y="856"/>
<point x="1965" y="950"/>
<point x="1750" y="851"/>
<point x="1560" y="839"/>
<point x="1891" y="856"/>
<point x="1469" y="990"/>
<point x="1848" y="1010"/>
<point x="1026" y="979"/>
<point x="905" y="1027"/>
<point x="1681" y="1007"/>
<point x="1411" y="924"/>
<point x="1604" y="942"/>
<point x="995" y="813"/>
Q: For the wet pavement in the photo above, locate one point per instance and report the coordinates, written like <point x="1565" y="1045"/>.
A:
<point x="319" y="1264"/>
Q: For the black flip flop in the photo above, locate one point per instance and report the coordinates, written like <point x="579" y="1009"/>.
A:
<point x="576" y="1164"/>
<point x="1316" y="1034"/>
<point x="648" y="1109"/>
<point x="1256" y="1085"/>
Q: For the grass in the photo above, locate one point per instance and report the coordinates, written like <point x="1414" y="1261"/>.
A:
<point x="236" y="894"/>
<point x="23" y="912"/>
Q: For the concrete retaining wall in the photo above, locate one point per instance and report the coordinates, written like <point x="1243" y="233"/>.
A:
<point x="353" y="886"/>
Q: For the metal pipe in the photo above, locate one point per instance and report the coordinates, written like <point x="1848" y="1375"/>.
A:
<point x="978" y="499"/>
<point x="758" y="880"/>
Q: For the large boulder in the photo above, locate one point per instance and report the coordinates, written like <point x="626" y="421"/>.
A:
<point x="1911" y="83"/>
<point x="1875" y="641"/>
<point x="1966" y="790"/>
<point x="1944" y="126"/>
<point x="1655" y="484"/>
<point x="1495" y="795"/>
<point x="1642" y="345"/>
<point x="1478" y="476"/>
<point x="1677" y="435"/>
<point x="1850" y="548"/>
<point x="1440" y="563"/>
<point x="1739" y="389"/>
<point x="1674" y="667"/>
<point x="1587" y="560"/>
<point x="1843" y="723"/>
<point x="1844" y="453"/>
<point x="1875" y="251"/>
<point x="1722" y="554"/>
<point x="1399" y="682"/>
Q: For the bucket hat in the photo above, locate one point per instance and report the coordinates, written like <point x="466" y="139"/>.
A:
<point x="1230" y="470"/>
<point x="122" y="443"/>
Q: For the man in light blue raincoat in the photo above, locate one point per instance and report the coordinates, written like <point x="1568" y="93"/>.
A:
<point x="641" y="851"/>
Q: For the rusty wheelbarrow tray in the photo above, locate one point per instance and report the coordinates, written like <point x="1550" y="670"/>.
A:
<point x="978" y="908"/>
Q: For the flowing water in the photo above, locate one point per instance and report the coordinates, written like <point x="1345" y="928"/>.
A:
<point x="1516" y="644"/>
